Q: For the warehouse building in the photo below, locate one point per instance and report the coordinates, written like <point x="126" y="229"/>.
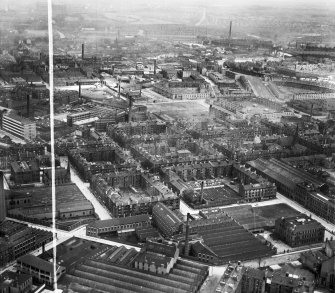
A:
<point x="41" y="270"/>
<point x="120" y="225"/>
<point x="19" y="126"/>
<point x="166" y="220"/>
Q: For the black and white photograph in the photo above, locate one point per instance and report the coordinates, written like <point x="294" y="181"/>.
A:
<point x="164" y="146"/>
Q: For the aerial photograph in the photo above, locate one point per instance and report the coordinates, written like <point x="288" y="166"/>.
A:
<point x="164" y="146"/>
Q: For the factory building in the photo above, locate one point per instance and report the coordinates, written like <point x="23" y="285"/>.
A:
<point x="19" y="126"/>
<point x="166" y="220"/>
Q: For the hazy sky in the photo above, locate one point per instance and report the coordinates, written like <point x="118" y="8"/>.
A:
<point x="326" y="3"/>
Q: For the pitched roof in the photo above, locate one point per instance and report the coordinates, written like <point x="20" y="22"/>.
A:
<point x="119" y="221"/>
<point x="37" y="262"/>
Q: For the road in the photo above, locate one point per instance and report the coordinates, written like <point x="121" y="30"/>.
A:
<point x="100" y="210"/>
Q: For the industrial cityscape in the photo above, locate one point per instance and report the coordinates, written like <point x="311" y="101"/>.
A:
<point x="167" y="146"/>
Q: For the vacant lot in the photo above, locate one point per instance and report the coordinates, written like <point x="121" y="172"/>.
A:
<point x="276" y="211"/>
<point x="183" y="109"/>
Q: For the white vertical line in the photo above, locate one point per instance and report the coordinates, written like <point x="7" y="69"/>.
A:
<point x="52" y="141"/>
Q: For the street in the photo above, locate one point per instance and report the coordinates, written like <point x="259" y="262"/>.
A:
<point x="100" y="210"/>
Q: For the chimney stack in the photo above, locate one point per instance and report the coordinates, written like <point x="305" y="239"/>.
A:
<point x="2" y="199"/>
<point x="187" y="232"/>
<point x="79" y="91"/>
<point x="155" y="64"/>
<point x="201" y="192"/>
<point x="229" y="37"/>
<point x="28" y="105"/>
<point x="130" y="107"/>
<point x="82" y="51"/>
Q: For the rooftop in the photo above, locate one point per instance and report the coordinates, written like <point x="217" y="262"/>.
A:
<point x="21" y="119"/>
<point x="119" y="221"/>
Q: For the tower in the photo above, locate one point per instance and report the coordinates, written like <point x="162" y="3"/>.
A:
<point x="3" y="210"/>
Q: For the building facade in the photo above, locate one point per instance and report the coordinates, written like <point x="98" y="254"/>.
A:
<point x="41" y="270"/>
<point x="18" y="126"/>
<point x="299" y="230"/>
<point x="117" y="225"/>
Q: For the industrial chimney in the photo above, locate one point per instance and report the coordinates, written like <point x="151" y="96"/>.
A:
<point x="28" y="105"/>
<point x="201" y="192"/>
<point x="187" y="232"/>
<point x="2" y="199"/>
<point x="130" y="106"/>
<point x="229" y="37"/>
<point x="79" y="83"/>
<point x="82" y="51"/>
<point x="155" y="65"/>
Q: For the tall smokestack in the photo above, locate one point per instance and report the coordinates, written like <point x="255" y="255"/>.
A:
<point x="28" y="105"/>
<point x="229" y="37"/>
<point x="79" y="91"/>
<point x="82" y="51"/>
<point x="2" y="199"/>
<point x="187" y="236"/>
<point x="155" y="64"/>
<point x="201" y="192"/>
<point x="130" y="107"/>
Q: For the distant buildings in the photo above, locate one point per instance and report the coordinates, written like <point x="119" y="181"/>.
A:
<point x="72" y="118"/>
<point x="18" y="126"/>
<point x="299" y="231"/>
<point x="182" y="90"/>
